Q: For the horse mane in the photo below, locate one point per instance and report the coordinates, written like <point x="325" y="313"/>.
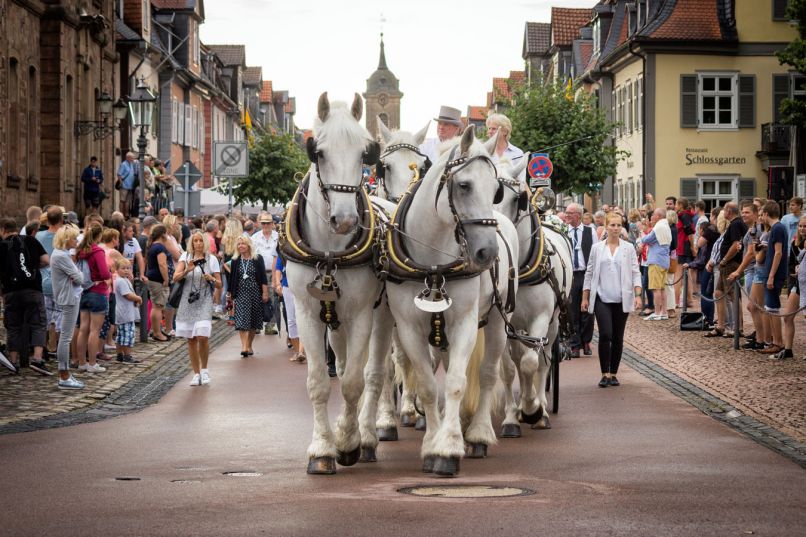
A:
<point x="340" y="125"/>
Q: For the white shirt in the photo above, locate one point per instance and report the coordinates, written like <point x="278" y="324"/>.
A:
<point x="266" y="248"/>
<point x="513" y="155"/>
<point x="576" y="244"/>
<point x="429" y="149"/>
<point x="131" y="248"/>
<point x="212" y="266"/>
<point x="610" y="276"/>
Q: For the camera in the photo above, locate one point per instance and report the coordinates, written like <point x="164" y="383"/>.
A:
<point x="194" y="296"/>
<point x="753" y="231"/>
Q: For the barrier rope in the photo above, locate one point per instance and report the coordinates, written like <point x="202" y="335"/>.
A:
<point x="764" y="311"/>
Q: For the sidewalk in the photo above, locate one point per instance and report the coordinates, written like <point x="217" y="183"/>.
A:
<point x="31" y="401"/>
<point x="773" y="392"/>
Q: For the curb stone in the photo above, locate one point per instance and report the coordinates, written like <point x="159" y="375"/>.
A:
<point x="138" y="393"/>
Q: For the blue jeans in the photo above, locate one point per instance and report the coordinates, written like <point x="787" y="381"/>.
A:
<point x="649" y="296"/>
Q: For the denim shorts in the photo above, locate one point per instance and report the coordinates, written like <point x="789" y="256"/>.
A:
<point x="760" y="276"/>
<point x="94" y="303"/>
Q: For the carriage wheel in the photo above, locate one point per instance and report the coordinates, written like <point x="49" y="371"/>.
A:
<point x="555" y="376"/>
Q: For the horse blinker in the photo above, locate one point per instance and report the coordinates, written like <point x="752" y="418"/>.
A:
<point x="372" y="153"/>
<point x="523" y="202"/>
<point x="499" y="194"/>
<point x="313" y="153"/>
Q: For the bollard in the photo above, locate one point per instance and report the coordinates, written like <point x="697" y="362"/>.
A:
<point x="144" y="313"/>
<point x="737" y="311"/>
<point x="684" y="294"/>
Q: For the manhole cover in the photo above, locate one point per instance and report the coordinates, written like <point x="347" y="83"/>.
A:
<point x="185" y="481"/>
<point x="127" y="478"/>
<point x="243" y="473"/>
<point x="466" y="491"/>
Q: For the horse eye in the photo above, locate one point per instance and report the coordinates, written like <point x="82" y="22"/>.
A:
<point x="464" y="185"/>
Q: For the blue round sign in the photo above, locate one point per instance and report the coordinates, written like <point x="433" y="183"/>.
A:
<point x="540" y="167"/>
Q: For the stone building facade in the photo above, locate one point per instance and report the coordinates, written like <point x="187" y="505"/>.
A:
<point x="382" y="97"/>
<point x="56" y="59"/>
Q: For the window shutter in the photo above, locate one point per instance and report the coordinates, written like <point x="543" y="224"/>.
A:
<point x="174" y="130"/>
<point x="180" y="138"/>
<point x="779" y="9"/>
<point x="188" y="128"/>
<point x="780" y="91"/>
<point x="747" y="101"/>
<point x="688" y="101"/>
<point x="636" y="105"/>
<point x="689" y="188"/>
<point x="747" y="188"/>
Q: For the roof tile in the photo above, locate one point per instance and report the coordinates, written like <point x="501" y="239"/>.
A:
<point x="252" y="76"/>
<point x="537" y="40"/>
<point x="229" y="54"/>
<point x="566" y="22"/>
<point x="477" y="113"/>
<point x="691" y="19"/>
<point x="265" y="92"/>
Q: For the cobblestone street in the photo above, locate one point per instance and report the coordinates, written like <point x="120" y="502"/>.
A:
<point x="772" y="391"/>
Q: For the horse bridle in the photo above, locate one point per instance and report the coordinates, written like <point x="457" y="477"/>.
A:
<point x="453" y="167"/>
<point x="369" y="157"/>
<point x="522" y="195"/>
<point x="380" y="167"/>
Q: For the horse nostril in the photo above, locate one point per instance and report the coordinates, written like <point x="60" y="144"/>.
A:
<point x="333" y="221"/>
<point x="482" y="255"/>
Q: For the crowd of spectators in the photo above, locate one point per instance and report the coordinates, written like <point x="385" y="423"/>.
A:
<point x="73" y="291"/>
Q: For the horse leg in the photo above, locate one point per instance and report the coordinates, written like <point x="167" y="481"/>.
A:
<point x="510" y="427"/>
<point x="481" y="434"/>
<point x="531" y="389"/>
<point x="449" y="443"/>
<point x="403" y="376"/>
<point x="543" y="372"/>
<point x="322" y="450"/>
<point x="374" y="376"/>
<point x="352" y="343"/>
<point x="386" y="423"/>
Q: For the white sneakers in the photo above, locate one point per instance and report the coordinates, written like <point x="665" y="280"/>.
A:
<point x="200" y="379"/>
<point x="89" y="368"/>
<point x="656" y="317"/>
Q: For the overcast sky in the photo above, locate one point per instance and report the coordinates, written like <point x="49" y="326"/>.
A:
<point x="442" y="51"/>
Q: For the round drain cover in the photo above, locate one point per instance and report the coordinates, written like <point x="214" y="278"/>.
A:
<point x="243" y="473"/>
<point x="466" y="491"/>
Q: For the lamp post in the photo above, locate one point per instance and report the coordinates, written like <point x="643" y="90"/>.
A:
<point x="141" y="104"/>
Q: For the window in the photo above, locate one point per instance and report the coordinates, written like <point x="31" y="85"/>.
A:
<point x="597" y="37"/>
<point x="638" y="97"/>
<point x="718" y="100"/>
<point x="628" y="107"/>
<point x="798" y="87"/>
<point x="31" y="152"/>
<point x="202" y="139"/>
<point x="384" y="117"/>
<point x="196" y="45"/>
<point x="779" y="9"/>
<point x="14" y="115"/>
<point x="146" y="14"/>
<point x="717" y="191"/>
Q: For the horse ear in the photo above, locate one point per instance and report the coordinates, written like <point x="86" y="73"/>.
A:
<point x="489" y="145"/>
<point x="419" y="137"/>
<point x="386" y="134"/>
<point x="358" y="107"/>
<point x="323" y="108"/>
<point x="519" y="168"/>
<point x="468" y="137"/>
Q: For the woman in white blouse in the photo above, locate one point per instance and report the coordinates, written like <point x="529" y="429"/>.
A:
<point x="612" y="289"/>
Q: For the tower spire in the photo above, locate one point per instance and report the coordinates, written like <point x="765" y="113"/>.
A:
<point x="382" y="60"/>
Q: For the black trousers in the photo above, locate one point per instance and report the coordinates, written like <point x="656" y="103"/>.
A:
<point x="581" y="320"/>
<point x="611" y="320"/>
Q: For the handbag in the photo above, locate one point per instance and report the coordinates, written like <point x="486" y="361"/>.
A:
<point x="176" y="294"/>
<point x="692" y="321"/>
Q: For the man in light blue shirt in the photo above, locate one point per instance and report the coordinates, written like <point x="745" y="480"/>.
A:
<point x="501" y="125"/>
<point x="790" y="221"/>
<point x="127" y="177"/>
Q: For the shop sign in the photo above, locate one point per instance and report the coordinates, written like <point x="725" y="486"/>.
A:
<point x="700" y="156"/>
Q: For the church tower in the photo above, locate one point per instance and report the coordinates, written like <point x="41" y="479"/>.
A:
<point x="382" y="97"/>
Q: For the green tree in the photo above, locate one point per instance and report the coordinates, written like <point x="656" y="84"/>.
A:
<point x="273" y="161"/>
<point x="543" y="117"/>
<point x="793" y="112"/>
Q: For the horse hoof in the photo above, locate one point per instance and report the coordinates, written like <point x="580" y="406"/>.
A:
<point x="542" y="423"/>
<point x="531" y="419"/>
<point x="428" y="464"/>
<point x="388" y="434"/>
<point x="511" y="430"/>
<point x="349" y="458"/>
<point x="367" y="454"/>
<point x="322" y="466"/>
<point x="446" y="466"/>
<point x="477" y="451"/>
<point x="407" y="420"/>
<point x="420" y="424"/>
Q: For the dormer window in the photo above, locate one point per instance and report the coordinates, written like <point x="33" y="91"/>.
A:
<point x="597" y="35"/>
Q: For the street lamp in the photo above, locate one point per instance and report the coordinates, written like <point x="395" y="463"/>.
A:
<point x="141" y="104"/>
<point x="101" y="128"/>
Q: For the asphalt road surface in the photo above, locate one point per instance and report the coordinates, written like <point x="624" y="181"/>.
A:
<point x="632" y="460"/>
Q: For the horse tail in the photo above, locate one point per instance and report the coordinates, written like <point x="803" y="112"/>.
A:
<point x="470" y="402"/>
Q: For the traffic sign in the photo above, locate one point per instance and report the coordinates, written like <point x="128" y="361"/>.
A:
<point x="230" y="159"/>
<point x="540" y="166"/>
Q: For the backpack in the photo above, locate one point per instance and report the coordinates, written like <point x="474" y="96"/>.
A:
<point x="84" y="267"/>
<point x="19" y="266"/>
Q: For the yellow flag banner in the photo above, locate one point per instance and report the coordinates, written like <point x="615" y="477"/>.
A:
<point x="569" y="91"/>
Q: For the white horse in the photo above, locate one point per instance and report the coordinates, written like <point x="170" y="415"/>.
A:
<point x="400" y="164"/>
<point x="330" y="224"/>
<point x="537" y="310"/>
<point x="450" y="221"/>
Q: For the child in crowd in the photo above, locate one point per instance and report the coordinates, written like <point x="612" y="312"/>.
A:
<point x="126" y="302"/>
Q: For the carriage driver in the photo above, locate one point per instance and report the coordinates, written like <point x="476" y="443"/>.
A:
<point x="449" y="125"/>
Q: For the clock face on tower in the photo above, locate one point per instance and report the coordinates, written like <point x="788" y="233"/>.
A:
<point x="383" y="99"/>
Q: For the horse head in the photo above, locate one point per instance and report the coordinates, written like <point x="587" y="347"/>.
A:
<point x="400" y="159"/>
<point x="340" y="149"/>
<point x="515" y="195"/>
<point x="472" y="186"/>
